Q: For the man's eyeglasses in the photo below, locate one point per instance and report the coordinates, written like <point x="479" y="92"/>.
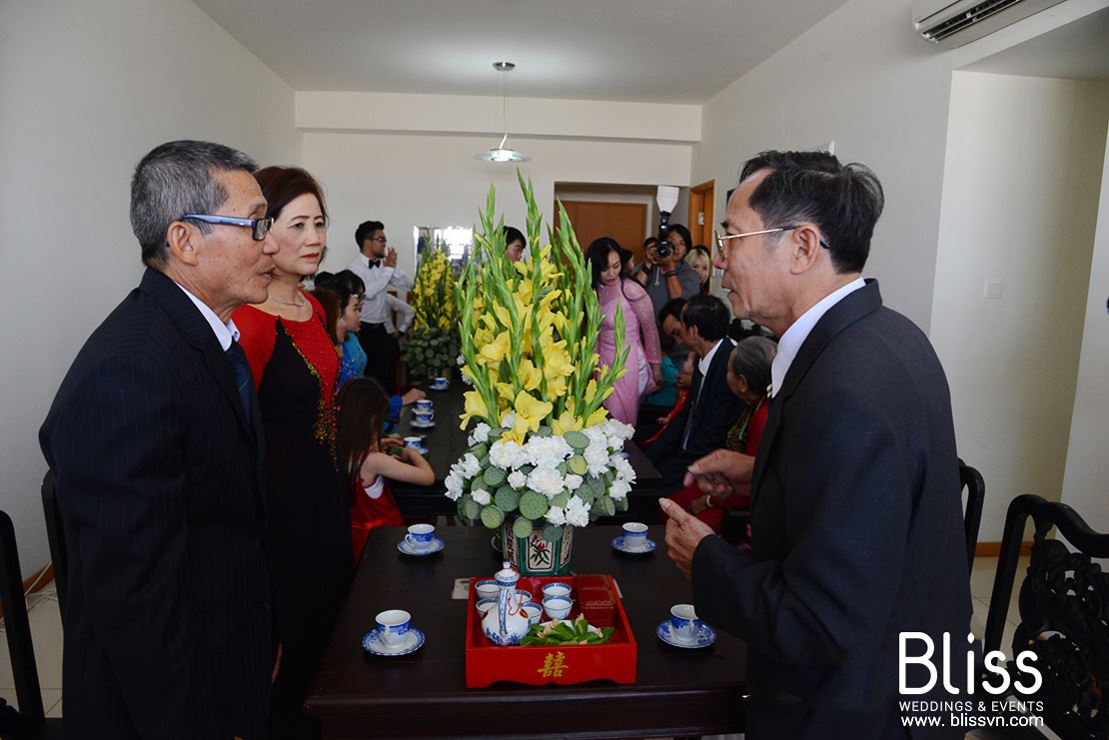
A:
<point x="381" y="239"/>
<point x="721" y="238"/>
<point x="259" y="227"/>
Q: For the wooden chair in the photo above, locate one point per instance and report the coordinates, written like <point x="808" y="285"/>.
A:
<point x="975" y="487"/>
<point x="1064" y="607"/>
<point x="28" y="721"/>
<point x="55" y="535"/>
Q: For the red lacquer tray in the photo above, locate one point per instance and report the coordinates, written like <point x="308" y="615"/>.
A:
<point x="562" y="664"/>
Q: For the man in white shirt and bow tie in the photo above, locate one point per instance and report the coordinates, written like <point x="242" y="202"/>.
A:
<point x="376" y="264"/>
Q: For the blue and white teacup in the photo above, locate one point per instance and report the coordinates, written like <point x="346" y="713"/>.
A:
<point x="424" y="417"/>
<point x="424" y="405"/>
<point x="684" y="623"/>
<point x="420" y="536"/>
<point x="557" y="607"/>
<point x="557" y="589"/>
<point x="485" y="605"/>
<point x="532" y="611"/>
<point x="413" y="442"/>
<point x="635" y="536"/>
<point x="487" y="589"/>
<point x="392" y="626"/>
<point x="440" y="383"/>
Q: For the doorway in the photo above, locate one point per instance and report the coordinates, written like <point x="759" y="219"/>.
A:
<point x="701" y="201"/>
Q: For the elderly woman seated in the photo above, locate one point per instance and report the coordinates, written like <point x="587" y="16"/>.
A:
<point x="748" y="378"/>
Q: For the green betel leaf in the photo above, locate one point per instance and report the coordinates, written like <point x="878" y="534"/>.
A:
<point x="481" y="451"/>
<point x="506" y="499"/>
<point x="468" y="508"/>
<point x="491" y="516"/>
<point x="552" y="532"/>
<point x="544" y="431"/>
<point x="577" y="440"/>
<point x="522" y="527"/>
<point x="585" y="495"/>
<point x="621" y="504"/>
<point x="578" y="465"/>
<point x="533" y="505"/>
<point x="607" y="505"/>
<point x="494" y="476"/>
<point x="561" y="500"/>
<point x="594" y="513"/>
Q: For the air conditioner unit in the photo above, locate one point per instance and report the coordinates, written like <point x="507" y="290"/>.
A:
<point x="951" y="24"/>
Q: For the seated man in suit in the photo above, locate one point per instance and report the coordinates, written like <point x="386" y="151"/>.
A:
<point x="711" y="408"/>
<point x="856" y="514"/>
<point x="155" y="440"/>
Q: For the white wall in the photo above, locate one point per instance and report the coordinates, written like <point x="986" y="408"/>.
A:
<point x="1086" y="481"/>
<point x="85" y="90"/>
<point x="407" y="180"/>
<point x="1020" y="201"/>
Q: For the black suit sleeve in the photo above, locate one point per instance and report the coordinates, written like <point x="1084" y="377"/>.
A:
<point x="117" y="443"/>
<point x="849" y="499"/>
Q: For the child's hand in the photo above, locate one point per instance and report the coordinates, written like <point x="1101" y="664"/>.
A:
<point x="390" y="441"/>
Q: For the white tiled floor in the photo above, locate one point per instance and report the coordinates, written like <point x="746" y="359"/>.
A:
<point x="46" y="627"/>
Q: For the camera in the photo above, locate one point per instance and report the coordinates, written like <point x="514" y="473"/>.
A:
<point x="663" y="250"/>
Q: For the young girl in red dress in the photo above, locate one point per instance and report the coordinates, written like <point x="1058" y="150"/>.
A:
<point x="367" y="458"/>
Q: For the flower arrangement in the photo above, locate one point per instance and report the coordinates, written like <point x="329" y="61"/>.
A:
<point x="432" y="343"/>
<point x="543" y="448"/>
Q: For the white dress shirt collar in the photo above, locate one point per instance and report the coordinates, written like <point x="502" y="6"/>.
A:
<point x="790" y="342"/>
<point x="706" y="362"/>
<point x="225" y="333"/>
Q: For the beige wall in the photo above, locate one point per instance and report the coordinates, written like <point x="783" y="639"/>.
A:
<point x="85" y="90"/>
<point x="1020" y="202"/>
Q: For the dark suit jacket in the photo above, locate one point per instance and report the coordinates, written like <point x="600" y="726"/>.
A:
<point x="168" y="631"/>
<point x="714" y="413"/>
<point x="857" y="533"/>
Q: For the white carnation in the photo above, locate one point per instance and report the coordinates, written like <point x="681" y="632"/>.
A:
<point x="619" y="489"/>
<point x="596" y="455"/>
<point x="480" y="435"/>
<point x="517" y="480"/>
<point x="469" y="465"/>
<point x="547" y="452"/>
<point x="573" y="482"/>
<point x="481" y="496"/>
<point x="624" y="469"/>
<point x="555" y="515"/>
<point x="509" y="420"/>
<point x="577" y="512"/>
<point x="617" y="431"/>
<point x="547" y="481"/>
<point x="453" y="482"/>
<point x="506" y="455"/>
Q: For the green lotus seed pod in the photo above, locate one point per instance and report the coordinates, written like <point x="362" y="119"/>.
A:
<point x="533" y="505"/>
<point x="491" y="516"/>
<point x="578" y="465"/>
<point x="552" y="532"/>
<point x="468" y="508"/>
<point x="506" y="499"/>
<point x="522" y="527"/>
<point x="494" y="476"/>
<point x="606" y="505"/>
<point x="561" y="500"/>
<point x="577" y="440"/>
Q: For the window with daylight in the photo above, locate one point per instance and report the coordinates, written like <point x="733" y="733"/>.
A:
<point x="459" y="241"/>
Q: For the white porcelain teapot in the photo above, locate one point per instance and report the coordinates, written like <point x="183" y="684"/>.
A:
<point x="506" y="624"/>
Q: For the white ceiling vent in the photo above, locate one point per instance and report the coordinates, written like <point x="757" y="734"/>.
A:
<point x="952" y="24"/>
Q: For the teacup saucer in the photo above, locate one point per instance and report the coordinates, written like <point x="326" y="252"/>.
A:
<point x="413" y="641"/>
<point x="436" y="545"/>
<point x="417" y="425"/>
<point x="648" y="546"/>
<point x="705" y="636"/>
<point x="434" y="387"/>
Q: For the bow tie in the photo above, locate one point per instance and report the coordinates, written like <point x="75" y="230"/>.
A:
<point x="375" y="263"/>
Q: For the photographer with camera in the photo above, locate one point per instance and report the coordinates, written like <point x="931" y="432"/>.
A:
<point x="671" y="277"/>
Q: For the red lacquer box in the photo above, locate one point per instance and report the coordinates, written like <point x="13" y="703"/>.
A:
<point x="487" y="663"/>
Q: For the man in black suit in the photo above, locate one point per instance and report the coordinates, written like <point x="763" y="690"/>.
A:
<point x="155" y="441"/>
<point x="856" y="510"/>
<point x="711" y="408"/>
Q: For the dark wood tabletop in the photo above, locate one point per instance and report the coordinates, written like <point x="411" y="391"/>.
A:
<point x="446" y="443"/>
<point x="357" y="695"/>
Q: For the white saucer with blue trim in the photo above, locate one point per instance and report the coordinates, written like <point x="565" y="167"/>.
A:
<point x="413" y="641"/>
<point x="705" y="636"/>
<point x="648" y="546"/>
<point x="436" y="545"/>
<point x="417" y="425"/>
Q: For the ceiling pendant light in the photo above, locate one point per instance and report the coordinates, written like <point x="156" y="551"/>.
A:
<point x="502" y="152"/>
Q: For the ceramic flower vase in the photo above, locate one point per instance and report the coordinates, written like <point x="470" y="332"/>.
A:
<point x="535" y="556"/>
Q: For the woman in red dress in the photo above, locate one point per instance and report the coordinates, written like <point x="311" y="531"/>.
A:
<point x="295" y="369"/>
<point x="370" y="460"/>
<point x="748" y="378"/>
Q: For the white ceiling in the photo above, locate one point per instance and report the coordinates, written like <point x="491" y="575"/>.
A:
<point x="1076" y="51"/>
<point x="658" y="51"/>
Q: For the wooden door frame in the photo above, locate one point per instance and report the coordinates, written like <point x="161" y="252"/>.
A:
<point x="702" y="198"/>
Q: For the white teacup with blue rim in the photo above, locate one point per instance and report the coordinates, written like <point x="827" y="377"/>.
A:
<point x="424" y="417"/>
<point x="532" y="611"/>
<point x="684" y="623"/>
<point x="487" y="589"/>
<point x="420" y="536"/>
<point x="485" y="605"/>
<point x="424" y="405"/>
<point x="635" y="536"/>
<point x="557" y="589"/>
<point x="557" y="607"/>
<point x="393" y="626"/>
<point x="440" y="383"/>
<point x="414" y="442"/>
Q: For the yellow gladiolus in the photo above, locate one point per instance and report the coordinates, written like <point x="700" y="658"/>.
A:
<point x="567" y="422"/>
<point x="530" y="411"/>
<point x="530" y="376"/>
<point x="475" y="406"/>
<point x="494" y="352"/>
<point x="597" y="417"/>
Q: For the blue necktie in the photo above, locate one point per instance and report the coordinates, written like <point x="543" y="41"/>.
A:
<point x="243" y="378"/>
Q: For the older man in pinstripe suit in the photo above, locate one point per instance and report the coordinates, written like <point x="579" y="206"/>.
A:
<point x="156" y="448"/>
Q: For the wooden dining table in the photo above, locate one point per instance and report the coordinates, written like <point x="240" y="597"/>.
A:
<point x="677" y="691"/>
<point x="446" y="443"/>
